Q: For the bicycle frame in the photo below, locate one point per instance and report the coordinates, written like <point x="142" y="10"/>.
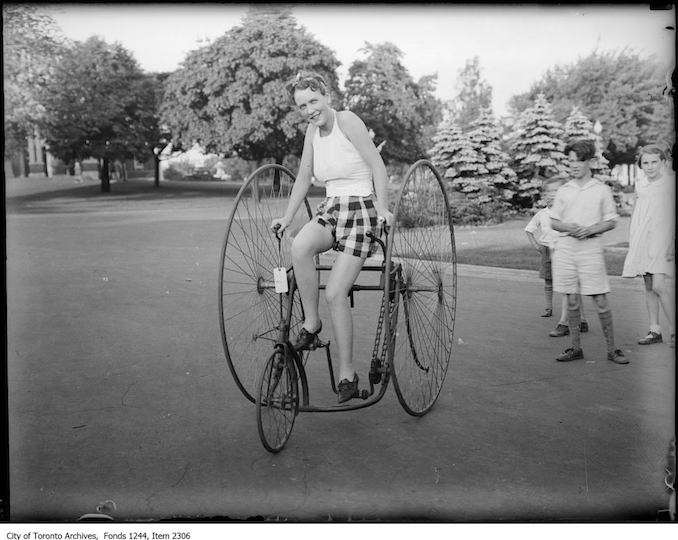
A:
<point x="380" y="362"/>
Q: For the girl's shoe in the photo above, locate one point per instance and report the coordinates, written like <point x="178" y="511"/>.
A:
<point x="307" y="341"/>
<point x="548" y="312"/>
<point x="650" y="338"/>
<point x="348" y="389"/>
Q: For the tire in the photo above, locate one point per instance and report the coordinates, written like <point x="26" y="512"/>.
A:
<point x="422" y="244"/>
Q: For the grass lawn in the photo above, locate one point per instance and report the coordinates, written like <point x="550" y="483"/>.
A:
<point x="527" y="258"/>
<point x="504" y="245"/>
<point x="507" y="246"/>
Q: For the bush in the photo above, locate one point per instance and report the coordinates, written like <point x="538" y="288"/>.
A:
<point x="177" y="171"/>
<point x="480" y="211"/>
<point x="415" y="210"/>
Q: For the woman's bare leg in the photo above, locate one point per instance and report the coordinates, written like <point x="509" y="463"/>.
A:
<point x="344" y="272"/>
<point x="312" y="239"/>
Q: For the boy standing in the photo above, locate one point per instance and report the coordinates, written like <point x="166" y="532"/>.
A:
<point x="583" y="209"/>
<point x="544" y="240"/>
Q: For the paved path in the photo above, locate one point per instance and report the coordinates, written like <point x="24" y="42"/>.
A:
<point x="119" y="391"/>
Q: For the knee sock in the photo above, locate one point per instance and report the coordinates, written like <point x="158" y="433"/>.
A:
<point x="548" y="294"/>
<point x="606" y="322"/>
<point x="573" y="321"/>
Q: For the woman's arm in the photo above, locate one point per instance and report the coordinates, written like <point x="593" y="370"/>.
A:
<point x="301" y="183"/>
<point x="356" y="132"/>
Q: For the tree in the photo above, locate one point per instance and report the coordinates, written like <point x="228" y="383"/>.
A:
<point x="500" y="179"/>
<point x="401" y="111"/>
<point x="577" y="126"/>
<point x="455" y="155"/>
<point x="537" y="146"/>
<point x="32" y="43"/>
<point x="99" y="104"/>
<point x="474" y="94"/>
<point x="231" y="93"/>
<point x="620" y="90"/>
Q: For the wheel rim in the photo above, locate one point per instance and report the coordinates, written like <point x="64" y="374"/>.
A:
<point x="249" y="308"/>
<point x="277" y="402"/>
<point x="422" y="243"/>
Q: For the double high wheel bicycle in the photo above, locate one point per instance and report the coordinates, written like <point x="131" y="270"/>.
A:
<point x="414" y="274"/>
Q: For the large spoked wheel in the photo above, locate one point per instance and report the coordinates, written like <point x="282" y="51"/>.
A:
<point x="249" y="307"/>
<point x="421" y="244"/>
<point x="277" y="401"/>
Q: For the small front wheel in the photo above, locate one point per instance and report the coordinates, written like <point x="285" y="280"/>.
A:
<point x="277" y="401"/>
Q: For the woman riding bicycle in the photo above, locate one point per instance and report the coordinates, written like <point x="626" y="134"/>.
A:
<point x="338" y="151"/>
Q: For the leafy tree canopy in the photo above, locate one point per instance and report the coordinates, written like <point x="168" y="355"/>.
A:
<point x="32" y="43"/>
<point x="401" y="111"/>
<point x="621" y="90"/>
<point x="474" y="94"/>
<point x="231" y="93"/>
<point x="99" y="104"/>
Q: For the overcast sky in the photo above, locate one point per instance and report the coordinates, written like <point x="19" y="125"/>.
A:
<point x="515" y="44"/>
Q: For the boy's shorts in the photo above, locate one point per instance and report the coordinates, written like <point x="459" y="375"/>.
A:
<point x="580" y="262"/>
<point x="349" y="219"/>
<point x="545" y="269"/>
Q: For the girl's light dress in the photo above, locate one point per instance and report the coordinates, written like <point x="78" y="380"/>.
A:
<point x="652" y="228"/>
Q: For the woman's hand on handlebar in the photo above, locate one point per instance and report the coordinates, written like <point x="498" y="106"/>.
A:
<point x="278" y="225"/>
<point x="385" y="217"/>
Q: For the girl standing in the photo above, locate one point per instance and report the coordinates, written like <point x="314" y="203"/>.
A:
<point x="652" y="240"/>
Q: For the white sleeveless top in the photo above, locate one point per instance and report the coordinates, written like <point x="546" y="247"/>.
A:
<point x="338" y="165"/>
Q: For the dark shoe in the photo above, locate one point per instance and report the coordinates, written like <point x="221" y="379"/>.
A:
<point x="560" y="331"/>
<point x="650" y="338"/>
<point x="583" y="327"/>
<point x="570" y="354"/>
<point x="348" y="389"/>
<point x="548" y="312"/>
<point x="307" y="341"/>
<point x="617" y="357"/>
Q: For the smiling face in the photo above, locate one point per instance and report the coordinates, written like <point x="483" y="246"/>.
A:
<point x="652" y="165"/>
<point x="314" y="106"/>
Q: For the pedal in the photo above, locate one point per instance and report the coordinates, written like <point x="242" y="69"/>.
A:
<point x="318" y="344"/>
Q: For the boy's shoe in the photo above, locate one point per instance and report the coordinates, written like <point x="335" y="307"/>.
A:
<point x="583" y="327"/>
<point x="307" y="341"/>
<point x="650" y="338"/>
<point x="348" y="389"/>
<point x="570" y="354"/>
<point x="548" y="312"/>
<point x="617" y="357"/>
<point x="560" y="330"/>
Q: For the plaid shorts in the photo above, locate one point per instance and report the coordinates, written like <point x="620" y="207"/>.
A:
<point x="349" y="219"/>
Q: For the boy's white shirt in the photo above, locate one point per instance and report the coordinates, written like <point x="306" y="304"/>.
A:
<point x="584" y="205"/>
<point x="540" y="227"/>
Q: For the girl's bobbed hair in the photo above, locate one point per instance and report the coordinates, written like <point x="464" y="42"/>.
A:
<point x="655" y="149"/>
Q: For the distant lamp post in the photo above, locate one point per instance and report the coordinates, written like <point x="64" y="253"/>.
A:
<point x="597" y="127"/>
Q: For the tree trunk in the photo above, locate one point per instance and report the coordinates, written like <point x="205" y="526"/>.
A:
<point x="105" y="179"/>
<point x="156" y="170"/>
